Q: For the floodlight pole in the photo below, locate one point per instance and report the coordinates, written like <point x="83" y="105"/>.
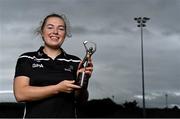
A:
<point x="166" y="96"/>
<point x="141" y="23"/>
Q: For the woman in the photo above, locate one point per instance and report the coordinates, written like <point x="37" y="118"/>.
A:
<point x="45" y="79"/>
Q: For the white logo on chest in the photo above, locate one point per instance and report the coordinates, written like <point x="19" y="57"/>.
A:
<point x="34" y="65"/>
<point x="69" y="69"/>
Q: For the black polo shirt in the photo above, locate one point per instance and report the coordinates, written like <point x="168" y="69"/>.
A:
<point x="44" y="71"/>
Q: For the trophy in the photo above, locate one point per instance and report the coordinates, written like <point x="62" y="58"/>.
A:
<point x="82" y="78"/>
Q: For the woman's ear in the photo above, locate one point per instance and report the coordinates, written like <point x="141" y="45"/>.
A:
<point x="41" y="33"/>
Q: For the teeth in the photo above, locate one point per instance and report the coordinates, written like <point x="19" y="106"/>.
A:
<point x="54" y="37"/>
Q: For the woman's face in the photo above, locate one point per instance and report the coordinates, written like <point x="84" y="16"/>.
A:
<point x="54" y="32"/>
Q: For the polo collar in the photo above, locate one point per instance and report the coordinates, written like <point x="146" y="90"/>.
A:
<point x="41" y="52"/>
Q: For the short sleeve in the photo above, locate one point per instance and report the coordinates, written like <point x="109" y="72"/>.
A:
<point x="23" y="67"/>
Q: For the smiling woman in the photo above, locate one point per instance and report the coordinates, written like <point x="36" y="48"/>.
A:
<point x="42" y="80"/>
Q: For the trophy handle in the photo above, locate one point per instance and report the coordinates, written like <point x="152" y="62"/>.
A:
<point x="92" y="47"/>
<point x="89" y="51"/>
<point x="82" y="79"/>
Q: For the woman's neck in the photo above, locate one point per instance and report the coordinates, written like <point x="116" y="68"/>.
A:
<point x="53" y="53"/>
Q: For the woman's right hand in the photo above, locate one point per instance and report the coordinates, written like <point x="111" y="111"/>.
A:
<point x="67" y="86"/>
<point x="24" y="92"/>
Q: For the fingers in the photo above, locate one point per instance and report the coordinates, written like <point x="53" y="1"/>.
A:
<point x="87" y="70"/>
<point x="68" y="86"/>
<point x="90" y="64"/>
<point x="80" y="64"/>
<point x="71" y="85"/>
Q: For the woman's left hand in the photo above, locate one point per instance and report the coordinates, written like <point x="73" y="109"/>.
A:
<point x="88" y="70"/>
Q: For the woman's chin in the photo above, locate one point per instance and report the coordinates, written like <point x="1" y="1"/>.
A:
<point x="53" y="46"/>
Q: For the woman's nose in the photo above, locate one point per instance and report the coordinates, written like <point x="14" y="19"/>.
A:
<point x="55" y="31"/>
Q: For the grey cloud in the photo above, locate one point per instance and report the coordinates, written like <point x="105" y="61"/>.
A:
<point x="79" y="30"/>
<point x="99" y="31"/>
<point x="158" y="98"/>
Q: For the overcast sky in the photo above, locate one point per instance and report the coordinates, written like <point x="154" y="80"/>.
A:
<point x="109" y="23"/>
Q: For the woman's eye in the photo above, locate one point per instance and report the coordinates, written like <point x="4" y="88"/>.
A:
<point x="50" y="27"/>
<point x="61" y="28"/>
